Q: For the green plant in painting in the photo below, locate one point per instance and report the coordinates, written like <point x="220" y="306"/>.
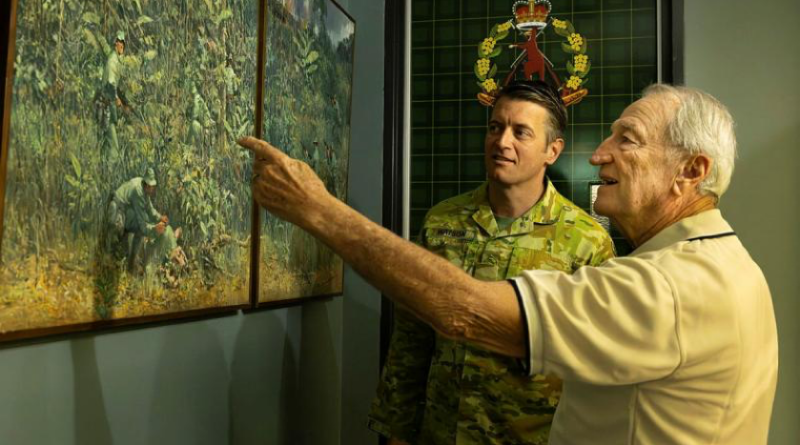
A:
<point x="56" y="268"/>
<point x="306" y="109"/>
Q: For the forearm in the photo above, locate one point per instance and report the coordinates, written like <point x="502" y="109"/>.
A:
<point x="437" y="292"/>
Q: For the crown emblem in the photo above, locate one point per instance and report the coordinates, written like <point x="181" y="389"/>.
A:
<point x="530" y="19"/>
<point x="531" y="14"/>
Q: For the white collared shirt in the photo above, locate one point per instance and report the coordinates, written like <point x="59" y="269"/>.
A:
<point x="674" y="344"/>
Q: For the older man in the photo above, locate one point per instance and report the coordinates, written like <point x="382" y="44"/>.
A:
<point x="673" y="344"/>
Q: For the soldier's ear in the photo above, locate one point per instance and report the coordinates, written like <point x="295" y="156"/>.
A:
<point x="554" y="150"/>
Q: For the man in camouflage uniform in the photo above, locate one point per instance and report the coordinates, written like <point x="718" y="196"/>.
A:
<point x="110" y="101"/>
<point x="437" y="391"/>
<point x="131" y="212"/>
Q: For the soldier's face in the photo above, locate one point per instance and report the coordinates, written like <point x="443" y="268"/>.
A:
<point x="119" y="47"/>
<point x="635" y="166"/>
<point x="150" y="190"/>
<point x="516" y="149"/>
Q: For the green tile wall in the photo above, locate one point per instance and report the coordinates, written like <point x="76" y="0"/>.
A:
<point x="448" y="124"/>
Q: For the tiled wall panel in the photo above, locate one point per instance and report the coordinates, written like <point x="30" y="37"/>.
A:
<point x="448" y="124"/>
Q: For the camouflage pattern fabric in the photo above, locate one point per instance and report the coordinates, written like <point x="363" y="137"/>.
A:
<point x="437" y="391"/>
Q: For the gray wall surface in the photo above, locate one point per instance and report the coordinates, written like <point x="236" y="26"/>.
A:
<point x="301" y="375"/>
<point x="746" y="54"/>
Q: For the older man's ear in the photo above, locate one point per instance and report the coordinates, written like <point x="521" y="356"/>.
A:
<point x="692" y="173"/>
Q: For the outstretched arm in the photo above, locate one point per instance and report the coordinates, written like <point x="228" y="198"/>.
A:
<point x="439" y="293"/>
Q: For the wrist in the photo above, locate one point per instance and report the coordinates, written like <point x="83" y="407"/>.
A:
<point x="322" y="212"/>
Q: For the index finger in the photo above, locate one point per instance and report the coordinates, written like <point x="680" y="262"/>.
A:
<point x="263" y="150"/>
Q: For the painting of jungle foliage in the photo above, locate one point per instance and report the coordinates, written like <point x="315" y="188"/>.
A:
<point x="308" y="84"/>
<point x="126" y="195"/>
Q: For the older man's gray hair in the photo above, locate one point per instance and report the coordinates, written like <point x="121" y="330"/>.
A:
<point x="701" y="125"/>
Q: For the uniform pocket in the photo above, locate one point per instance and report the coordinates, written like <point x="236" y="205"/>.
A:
<point x="450" y="244"/>
<point x="523" y="258"/>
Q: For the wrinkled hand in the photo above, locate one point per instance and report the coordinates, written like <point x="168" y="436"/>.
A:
<point x="286" y="187"/>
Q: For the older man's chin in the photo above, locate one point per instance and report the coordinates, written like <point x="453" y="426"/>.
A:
<point x="603" y="206"/>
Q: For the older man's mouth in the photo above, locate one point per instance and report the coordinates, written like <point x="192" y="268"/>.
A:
<point x="606" y="180"/>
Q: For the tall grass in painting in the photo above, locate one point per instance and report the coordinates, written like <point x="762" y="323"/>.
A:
<point x="308" y="85"/>
<point x="187" y="75"/>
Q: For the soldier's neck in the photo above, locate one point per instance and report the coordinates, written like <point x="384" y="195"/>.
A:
<point x="514" y="200"/>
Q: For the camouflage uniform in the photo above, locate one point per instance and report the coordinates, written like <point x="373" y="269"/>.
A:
<point x="437" y="391"/>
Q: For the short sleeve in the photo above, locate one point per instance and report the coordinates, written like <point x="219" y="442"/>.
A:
<point x="609" y="325"/>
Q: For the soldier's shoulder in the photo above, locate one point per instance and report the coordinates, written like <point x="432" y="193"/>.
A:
<point x="452" y="208"/>
<point x="136" y="184"/>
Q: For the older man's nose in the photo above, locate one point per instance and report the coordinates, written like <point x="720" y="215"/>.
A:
<point x="601" y="154"/>
<point x="600" y="157"/>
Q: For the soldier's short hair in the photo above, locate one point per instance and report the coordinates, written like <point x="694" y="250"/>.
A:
<point x="544" y="95"/>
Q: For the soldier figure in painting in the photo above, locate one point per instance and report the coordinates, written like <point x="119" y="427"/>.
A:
<point x="201" y="119"/>
<point x="109" y="99"/>
<point x="131" y="211"/>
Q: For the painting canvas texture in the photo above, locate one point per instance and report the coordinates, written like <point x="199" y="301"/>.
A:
<point x="307" y="91"/>
<point x="126" y="195"/>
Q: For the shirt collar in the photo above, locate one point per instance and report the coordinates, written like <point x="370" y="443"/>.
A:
<point x="704" y="224"/>
<point x="545" y="211"/>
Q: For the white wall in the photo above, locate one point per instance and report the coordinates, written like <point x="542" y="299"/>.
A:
<point x="746" y="54"/>
<point x="302" y="375"/>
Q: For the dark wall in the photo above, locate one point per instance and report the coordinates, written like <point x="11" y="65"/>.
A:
<point x="448" y="123"/>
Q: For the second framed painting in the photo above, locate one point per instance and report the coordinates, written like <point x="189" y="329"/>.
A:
<point x="307" y="102"/>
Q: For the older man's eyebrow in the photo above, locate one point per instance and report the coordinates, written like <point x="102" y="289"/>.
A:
<point x="639" y="132"/>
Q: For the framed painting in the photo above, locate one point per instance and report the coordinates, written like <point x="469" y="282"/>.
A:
<point x="307" y="101"/>
<point x="124" y="195"/>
